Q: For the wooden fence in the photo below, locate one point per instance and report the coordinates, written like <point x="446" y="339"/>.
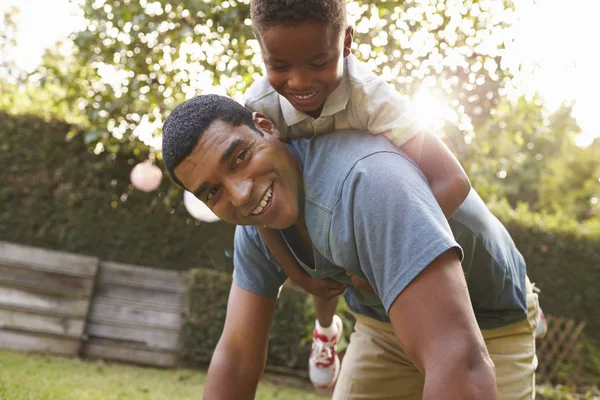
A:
<point x="44" y="299"/>
<point x="136" y="315"/>
<point x="66" y="304"/>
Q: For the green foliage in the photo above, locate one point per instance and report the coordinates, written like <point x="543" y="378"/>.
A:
<point x="136" y="60"/>
<point x="207" y="299"/>
<point x="560" y="392"/>
<point x="562" y="258"/>
<point x="57" y="194"/>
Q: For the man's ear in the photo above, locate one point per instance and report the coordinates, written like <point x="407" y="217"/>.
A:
<point x="348" y="41"/>
<point x="265" y="125"/>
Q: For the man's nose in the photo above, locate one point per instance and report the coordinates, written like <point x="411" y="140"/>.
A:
<point x="240" y="191"/>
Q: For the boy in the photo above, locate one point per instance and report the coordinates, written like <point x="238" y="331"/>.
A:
<point x="314" y="85"/>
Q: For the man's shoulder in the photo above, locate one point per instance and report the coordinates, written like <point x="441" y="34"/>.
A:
<point x="247" y="236"/>
<point x="343" y="149"/>
<point x="260" y="95"/>
<point x="328" y="160"/>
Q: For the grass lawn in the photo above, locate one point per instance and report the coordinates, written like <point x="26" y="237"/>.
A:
<point x="40" y="377"/>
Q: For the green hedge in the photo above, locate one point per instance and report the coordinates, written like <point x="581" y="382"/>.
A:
<point x="205" y="316"/>
<point x="563" y="259"/>
<point x="55" y="194"/>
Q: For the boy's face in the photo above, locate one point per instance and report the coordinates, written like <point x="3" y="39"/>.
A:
<point x="305" y="63"/>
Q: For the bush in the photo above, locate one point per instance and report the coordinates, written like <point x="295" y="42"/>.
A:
<point x="55" y="194"/>
<point x="205" y="315"/>
<point x="559" y="392"/>
<point x="563" y="259"/>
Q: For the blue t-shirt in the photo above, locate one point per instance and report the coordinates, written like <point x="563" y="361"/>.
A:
<point x="369" y="210"/>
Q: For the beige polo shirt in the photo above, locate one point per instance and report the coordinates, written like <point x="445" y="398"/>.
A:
<point x="362" y="101"/>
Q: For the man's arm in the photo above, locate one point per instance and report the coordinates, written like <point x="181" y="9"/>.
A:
<point x="436" y="327"/>
<point x="240" y="356"/>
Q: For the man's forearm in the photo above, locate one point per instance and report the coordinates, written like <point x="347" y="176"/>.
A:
<point x="229" y="378"/>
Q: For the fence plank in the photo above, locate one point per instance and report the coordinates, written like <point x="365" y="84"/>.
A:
<point x="151" y="278"/>
<point x="11" y="297"/>
<point x="47" y="260"/>
<point x="46" y="281"/>
<point x="130" y="314"/>
<point x="114" y="350"/>
<point x="24" y="341"/>
<point x="152" y="338"/>
<point x="64" y="326"/>
<point x="154" y="298"/>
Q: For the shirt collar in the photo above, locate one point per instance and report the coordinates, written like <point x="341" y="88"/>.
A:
<point x="336" y="102"/>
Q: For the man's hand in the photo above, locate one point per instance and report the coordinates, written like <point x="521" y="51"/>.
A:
<point x="322" y="288"/>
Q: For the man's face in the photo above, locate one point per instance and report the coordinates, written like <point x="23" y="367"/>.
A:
<point x="245" y="178"/>
<point x="305" y="63"/>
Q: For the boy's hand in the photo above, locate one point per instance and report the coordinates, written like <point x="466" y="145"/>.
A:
<point x="322" y="288"/>
<point x="360" y="284"/>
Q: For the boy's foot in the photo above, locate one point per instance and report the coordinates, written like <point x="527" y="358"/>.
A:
<point x="542" y="326"/>
<point x="324" y="364"/>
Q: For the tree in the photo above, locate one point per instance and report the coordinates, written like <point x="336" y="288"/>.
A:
<point x="136" y="60"/>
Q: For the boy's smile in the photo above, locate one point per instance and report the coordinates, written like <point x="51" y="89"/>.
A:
<point x="305" y="63"/>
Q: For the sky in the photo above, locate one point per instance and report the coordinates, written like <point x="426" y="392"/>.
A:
<point x="558" y="37"/>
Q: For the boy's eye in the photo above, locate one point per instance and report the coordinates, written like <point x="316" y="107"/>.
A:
<point x="240" y="158"/>
<point x="319" y="65"/>
<point x="279" y="67"/>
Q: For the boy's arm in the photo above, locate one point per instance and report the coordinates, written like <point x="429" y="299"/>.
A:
<point x="324" y="288"/>
<point x="447" y="179"/>
<point x="378" y="108"/>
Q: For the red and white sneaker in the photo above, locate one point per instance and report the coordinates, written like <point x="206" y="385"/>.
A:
<point x="324" y="363"/>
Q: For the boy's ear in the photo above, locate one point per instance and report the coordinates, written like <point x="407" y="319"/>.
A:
<point x="264" y="124"/>
<point x="348" y="38"/>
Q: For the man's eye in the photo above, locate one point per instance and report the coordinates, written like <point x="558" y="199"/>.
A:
<point x="279" y="67"/>
<point x="211" y="193"/>
<point x="240" y="158"/>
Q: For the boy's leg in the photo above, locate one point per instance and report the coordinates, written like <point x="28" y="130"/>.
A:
<point x="325" y="310"/>
<point x="324" y="363"/>
<point x="512" y="348"/>
<point x="375" y="367"/>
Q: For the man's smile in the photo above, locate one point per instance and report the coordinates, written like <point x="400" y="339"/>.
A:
<point x="265" y="202"/>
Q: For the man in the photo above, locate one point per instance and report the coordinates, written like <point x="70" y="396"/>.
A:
<point x="353" y="204"/>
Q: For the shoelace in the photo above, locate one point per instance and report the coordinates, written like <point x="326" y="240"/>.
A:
<point x="323" y="351"/>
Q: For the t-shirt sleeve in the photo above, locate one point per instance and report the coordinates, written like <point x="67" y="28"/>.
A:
<point x="382" y="110"/>
<point x="253" y="268"/>
<point x="398" y="228"/>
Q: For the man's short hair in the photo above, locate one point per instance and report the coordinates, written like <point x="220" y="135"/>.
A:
<point x="268" y="13"/>
<point x="188" y="121"/>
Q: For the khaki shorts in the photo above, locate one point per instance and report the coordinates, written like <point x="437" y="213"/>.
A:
<point x="375" y="367"/>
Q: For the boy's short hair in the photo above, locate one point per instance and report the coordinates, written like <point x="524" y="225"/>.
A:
<point x="268" y="13"/>
<point x="188" y="121"/>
